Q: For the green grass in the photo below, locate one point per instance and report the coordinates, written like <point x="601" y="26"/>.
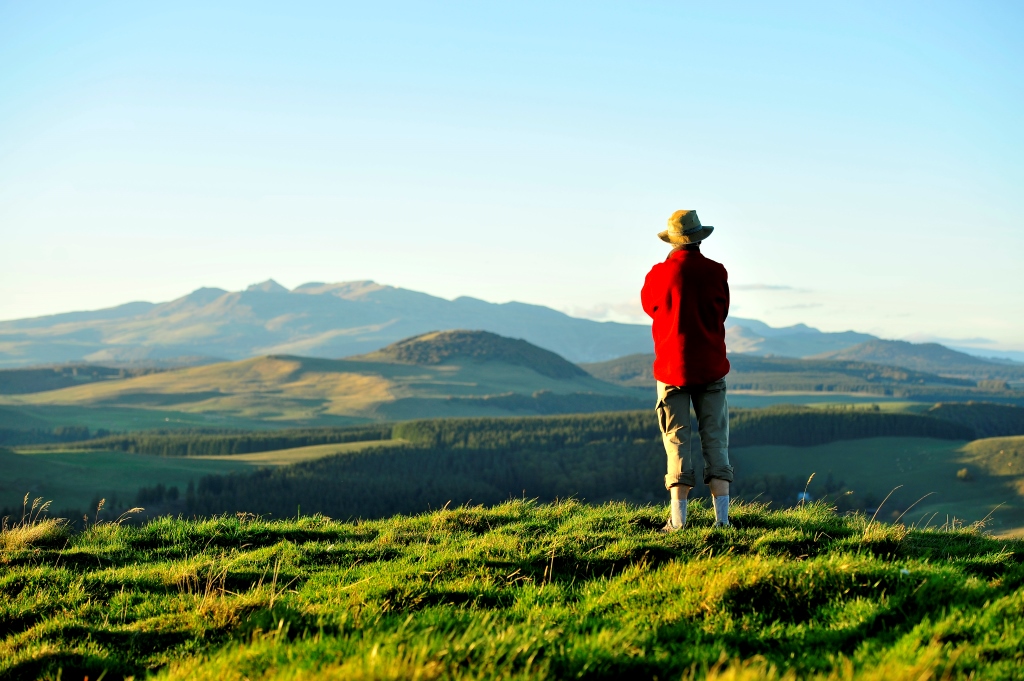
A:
<point x="21" y="420"/>
<point x="921" y="466"/>
<point x="513" y="592"/>
<point x="75" y="479"/>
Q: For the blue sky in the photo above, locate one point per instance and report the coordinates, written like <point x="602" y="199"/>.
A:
<point x="862" y="164"/>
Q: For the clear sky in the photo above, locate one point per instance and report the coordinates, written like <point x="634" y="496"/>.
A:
<point x="863" y="163"/>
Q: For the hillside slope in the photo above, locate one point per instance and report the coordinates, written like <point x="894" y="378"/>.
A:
<point x="928" y="357"/>
<point x="518" y="591"/>
<point x="440" y="374"/>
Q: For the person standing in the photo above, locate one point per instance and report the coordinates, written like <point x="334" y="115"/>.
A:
<point x="687" y="297"/>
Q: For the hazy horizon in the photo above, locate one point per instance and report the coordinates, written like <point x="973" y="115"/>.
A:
<point x="861" y="165"/>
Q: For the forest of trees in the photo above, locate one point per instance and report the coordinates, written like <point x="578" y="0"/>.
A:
<point x="984" y="418"/>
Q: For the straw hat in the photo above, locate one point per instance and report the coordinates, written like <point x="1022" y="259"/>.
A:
<point x="685" y="228"/>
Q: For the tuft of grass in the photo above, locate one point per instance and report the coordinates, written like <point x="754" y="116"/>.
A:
<point x="45" y="531"/>
<point x="32" y="528"/>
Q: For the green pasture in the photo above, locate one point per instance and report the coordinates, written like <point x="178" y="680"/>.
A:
<point x="916" y="468"/>
<point x="74" y="479"/>
<point x="517" y="591"/>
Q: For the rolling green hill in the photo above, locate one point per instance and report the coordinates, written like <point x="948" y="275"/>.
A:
<point x="439" y="374"/>
<point x="519" y="591"/>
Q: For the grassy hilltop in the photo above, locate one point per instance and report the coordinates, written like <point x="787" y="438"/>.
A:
<point x="520" y="590"/>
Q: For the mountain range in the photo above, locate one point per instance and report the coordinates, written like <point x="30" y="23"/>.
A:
<point x="349" y="318"/>
<point x="313" y="320"/>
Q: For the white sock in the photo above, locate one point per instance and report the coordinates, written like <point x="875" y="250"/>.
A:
<point x="678" y="512"/>
<point x="722" y="509"/>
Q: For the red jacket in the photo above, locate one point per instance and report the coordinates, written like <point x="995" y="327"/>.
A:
<point x="687" y="296"/>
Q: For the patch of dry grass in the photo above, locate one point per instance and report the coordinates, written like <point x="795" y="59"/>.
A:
<point x="32" y="528"/>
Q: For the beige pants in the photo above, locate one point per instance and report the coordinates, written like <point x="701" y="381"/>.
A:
<point x="712" y="409"/>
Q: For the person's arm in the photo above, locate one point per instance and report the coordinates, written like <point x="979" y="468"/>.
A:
<point x="726" y="315"/>
<point x="649" y="296"/>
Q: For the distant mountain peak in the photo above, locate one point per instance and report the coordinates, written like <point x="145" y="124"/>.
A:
<point x="349" y="290"/>
<point x="205" y="295"/>
<point x="799" y="340"/>
<point x="438" y="347"/>
<point x="268" y="286"/>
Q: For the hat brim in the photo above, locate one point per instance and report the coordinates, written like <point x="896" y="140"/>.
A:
<point x="676" y="238"/>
